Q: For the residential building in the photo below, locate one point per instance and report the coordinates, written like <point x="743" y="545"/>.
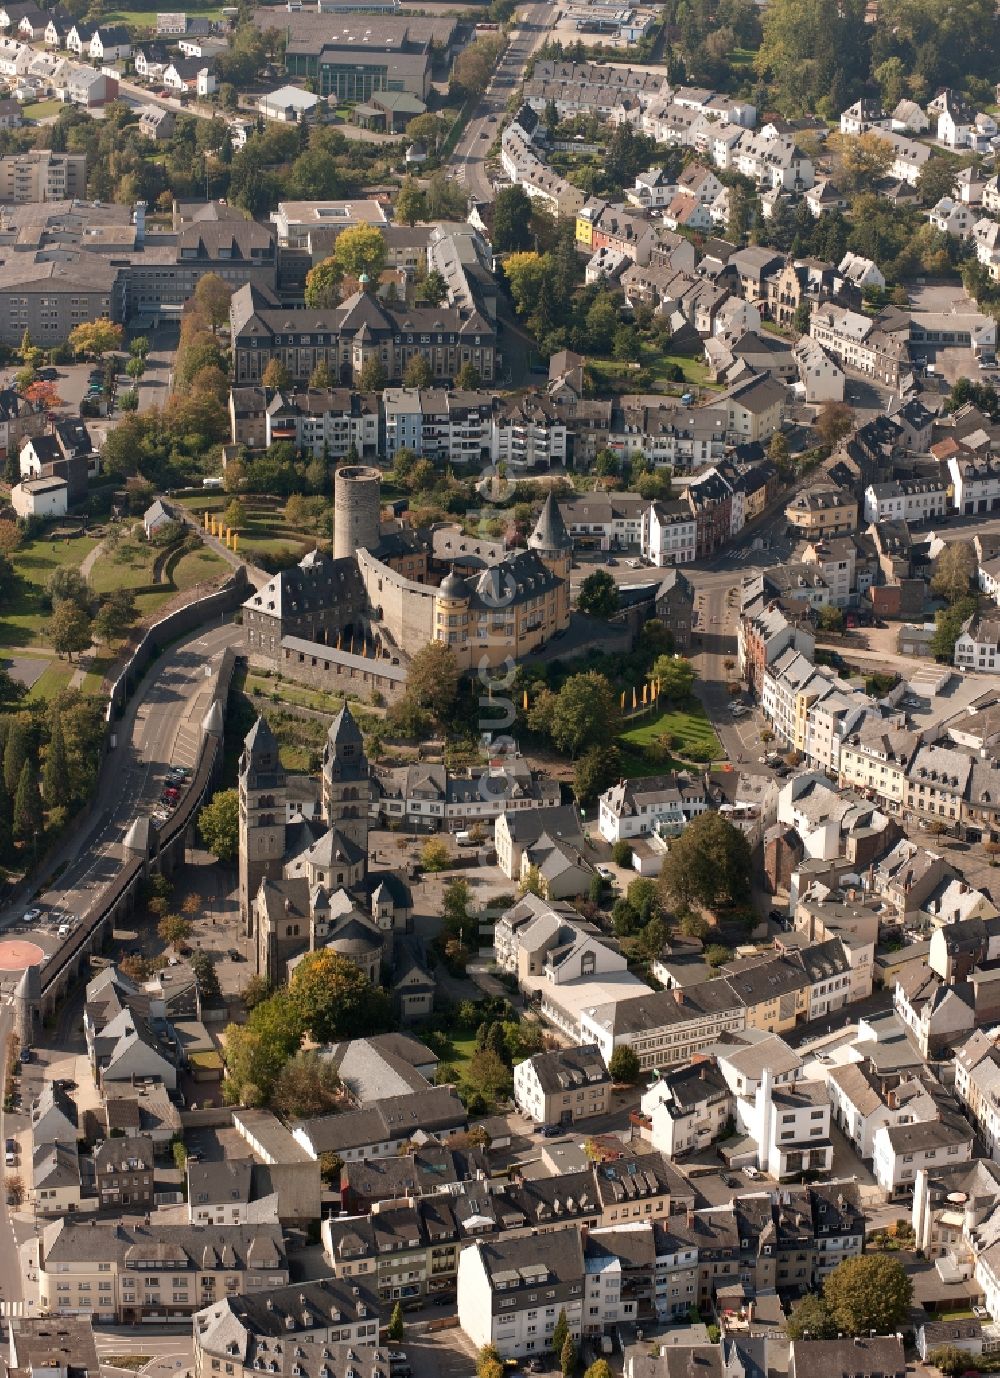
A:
<point x="126" y="1272"/>
<point x="901" y="1150"/>
<point x="908" y="500"/>
<point x="637" y="807"/>
<point x="822" y="509"/>
<point x="563" y="1086"/>
<point x="246" y="1331"/>
<point x="513" y="1302"/>
<point x="384" y="1128"/>
<point x="123" y="1174"/>
<point x="41" y="175"/>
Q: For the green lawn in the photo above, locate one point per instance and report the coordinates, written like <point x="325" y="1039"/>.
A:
<point x="683" y="730"/>
<point x="52" y="681"/>
<point x="25" y="612"/>
<point x="265" y="532"/>
<point x="263" y="690"/>
<point x="41" y="110"/>
<point x="130" y="566"/>
<point x="741" y="57"/>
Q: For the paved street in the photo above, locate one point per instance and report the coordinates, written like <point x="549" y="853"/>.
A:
<point x="162" y="726"/>
<point x="468" y="162"/>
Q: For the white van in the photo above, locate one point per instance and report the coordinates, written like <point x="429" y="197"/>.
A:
<point x="464" y="839"/>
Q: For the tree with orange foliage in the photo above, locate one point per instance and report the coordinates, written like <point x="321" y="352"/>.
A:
<point x="43" y="394"/>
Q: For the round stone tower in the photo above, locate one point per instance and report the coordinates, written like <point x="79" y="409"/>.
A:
<point x="355" y="509"/>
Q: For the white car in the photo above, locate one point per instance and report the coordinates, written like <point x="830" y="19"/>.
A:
<point x="751" y="1172"/>
<point x="606" y="872"/>
<point x="738" y="710"/>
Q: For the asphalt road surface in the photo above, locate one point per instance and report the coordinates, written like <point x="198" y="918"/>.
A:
<point x="153" y="735"/>
<point x="468" y="162"/>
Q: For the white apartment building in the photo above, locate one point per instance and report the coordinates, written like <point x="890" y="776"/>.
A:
<point x="901" y="1150"/>
<point x="510" y="1296"/>
<point x="977" y="646"/>
<point x="907" y="500"/>
<point x="646" y="804"/>
<point x="669" y="534"/>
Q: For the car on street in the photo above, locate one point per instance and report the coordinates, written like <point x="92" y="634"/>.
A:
<point x="27" y="1055"/>
<point x="551" y="1131"/>
<point x="235" y="955"/>
<point x="31" y="915"/>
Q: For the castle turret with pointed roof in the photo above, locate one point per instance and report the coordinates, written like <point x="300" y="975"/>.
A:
<point x="346" y="781"/>
<point x="262" y="813"/>
<point x="551" y="541"/>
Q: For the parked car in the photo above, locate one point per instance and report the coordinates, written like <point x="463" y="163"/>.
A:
<point x="751" y="1172"/>
<point x="235" y="955"/>
<point x="551" y="1131"/>
<point x="27" y="1055"/>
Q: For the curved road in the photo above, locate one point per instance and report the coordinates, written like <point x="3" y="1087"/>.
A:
<point x="467" y="163"/>
<point x="161" y="727"/>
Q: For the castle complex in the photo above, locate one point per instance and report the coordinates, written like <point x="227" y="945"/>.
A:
<point x="352" y="621"/>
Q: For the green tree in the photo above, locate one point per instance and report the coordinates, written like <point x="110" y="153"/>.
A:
<point x="276" y="375"/>
<point x="212" y="297"/>
<point x="624" y="1065"/>
<point x="487" y="1072"/>
<point x="834" y="422"/>
<point x="257" y="1050"/>
<point x="872" y="1292"/>
<point x="568" y="1357"/>
<point x="512" y="220"/>
<point x="488" y="1363"/>
<point x="96" y="337"/>
<point x="716" y="955"/>
<point x="560" y="1331"/>
<point x="28" y="804"/>
<point x="708" y="864"/>
<point x="949" y="1359"/>
<point x="644" y="898"/>
<point x="17" y="748"/>
<point x="598" y="594"/>
<point x="373" y="376"/>
<point x="468" y="378"/>
<point x="6" y="822"/>
<point x="954" y="570"/>
<point x="219" y="825"/>
<point x="948" y="623"/>
<point x="307" y="1086"/>
<point x="411" y="204"/>
<point x="55" y="778"/>
<point x="174" y="929"/>
<point x="432" y="681"/>
<point x="206" y="976"/>
<point x="525" y="273"/>
<point x="653" y="938"/>
<point x="621" y="852"/>
<point x="434" y="289"/>
<point x="418" y="372"/>
<point x="595" y="770"/>
<point x="829" y="618"/>
<point x="321" y="376"/>
<point x="675" y="676"/>
<point x="600" y="1368"/>
<point x="334" y="998"/>
<point x="69" y="629"/>
<point x="810" y="1317"/>
<point x="115" y="616"/>
<point x="435" y="855"/>
<point x="585" y="713"/>
<point x="395" y="1328"/>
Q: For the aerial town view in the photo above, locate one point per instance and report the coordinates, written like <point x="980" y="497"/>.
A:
<point x="500" y="689"/>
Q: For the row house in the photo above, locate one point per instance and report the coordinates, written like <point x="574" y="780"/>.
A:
<point x="907" y="500"/>
<point x="765" y="632"/>
<point x="525" y="168"/>
<point x="858" y="342"/>
<point x="130" y="1273"/>
<point x="685" y="438"/>
<point x="325" y="422"/>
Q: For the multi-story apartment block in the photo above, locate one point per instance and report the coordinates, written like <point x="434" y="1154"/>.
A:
<point x="562" y="1086"/>
<point x="323" y="421"/>
<point x="41" y="175"/>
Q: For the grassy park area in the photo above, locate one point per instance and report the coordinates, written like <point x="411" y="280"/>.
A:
<point x="665" y="741"/>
